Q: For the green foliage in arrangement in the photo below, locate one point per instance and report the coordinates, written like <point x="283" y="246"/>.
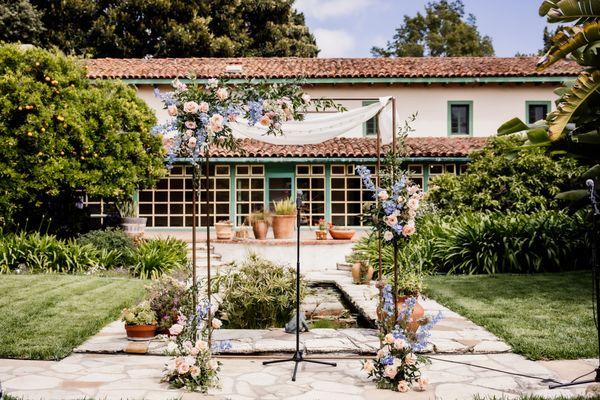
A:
<point x="501" y="178"/>
<point x="284" y="207"/>
<point x="141" y="314"/>
<point x="62" y="133"/>
<point x="490" y="243"/>
<point x="257" y="293"/>
<point x="154" y="258"/>
<point x="41" y="253"/>
<point x="167" y="297"/>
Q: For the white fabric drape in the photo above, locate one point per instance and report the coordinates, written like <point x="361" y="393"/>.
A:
<point x="321" y="128"/>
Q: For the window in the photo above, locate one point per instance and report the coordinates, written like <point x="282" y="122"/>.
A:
<point x="98" y="209"/>
<point x="311" y="180"/>
<point x="169" y="204"/>
<point x="460" y="117"/>
<point x="537" y="110"/>
<point x="249" y="190"/>
<point x="415" y="173"/>
<point x="348" y="196"/>
<point x="439" y="169"/>
<point x="370" y="127"/>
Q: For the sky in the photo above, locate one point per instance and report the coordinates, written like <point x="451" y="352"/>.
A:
<point x="349" y="28"/>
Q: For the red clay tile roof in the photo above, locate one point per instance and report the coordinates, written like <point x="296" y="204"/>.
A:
<point x="358" y="148"/>
<point x="292" y="67"/>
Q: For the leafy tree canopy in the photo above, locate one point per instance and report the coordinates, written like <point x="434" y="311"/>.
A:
<point x="170" y="28"/>
<point x="500" y="178"/>
<point x="444" y="30"/>
<point x="20" y="21"/>
<point x="62" y="133"/>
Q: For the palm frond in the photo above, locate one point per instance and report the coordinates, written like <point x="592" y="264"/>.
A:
<point x="570" y="10"/>
<point x="568" y="40"/>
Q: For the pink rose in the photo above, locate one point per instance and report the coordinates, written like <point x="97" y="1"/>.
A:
<point x="216" y="323"/>
<point x="391" y="220"/>
<point x="190" y="107"/>
<point x="390" y="371"/>
<point x="216" y="123"/>
<point x="265" y="120"/>
<point x="399" y="344"/>
<point x="172" y="110"/>
<point x="192" y="142"/>
<point x="194" y="371"/>
<point x="383" y="195"/>
<point x="222" y="93"/>
<point x="410" y="359"/>
<point x="190" y="124"/>
<point x="389" y="338"/>
<point x="213" y="364"/>
<point x="403" y="386"/>
<point x="183" y="368"/>
<point x="194" y="351"/>
<point x="176" y="329"/>
<point x="201" y="345"/>
<point x="422" y="384"/>
<point x="408" y="230"/>
<point x="203" y="107"/>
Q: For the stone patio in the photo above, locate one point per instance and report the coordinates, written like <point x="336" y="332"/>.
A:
<point x="115" y="376"/>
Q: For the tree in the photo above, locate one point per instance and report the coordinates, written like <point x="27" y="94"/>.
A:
<point x="20" y="22"/>
<point x="173" y="28"/>
<point x="63" y="134"/>
<point x="500" y="178"/>
<point x="444" y="30"/>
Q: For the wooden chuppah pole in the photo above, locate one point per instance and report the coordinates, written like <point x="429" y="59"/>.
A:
<point x="207" y="204"/>
<point x="195" y="187"/>
<point x="393" y="179"/>
<point x="379" y="261"/>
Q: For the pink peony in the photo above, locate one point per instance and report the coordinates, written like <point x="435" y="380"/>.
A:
<point x="403" y="386"/>
<point x="190" y="107"/>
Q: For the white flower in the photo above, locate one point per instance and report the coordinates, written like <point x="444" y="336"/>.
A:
<point x="190" y="360"/>
<point x="213" y="364"/>
<point x="187" y="345"/>
<point x="201" y="345"/>
<point x="190" y="107"/>
<point x="403" y="386"/>
<point x="194" y="351"/>
<point x="368" y="366"/>
<point x="194" y="371"/>
<point x="388" y="236"/>
<point x="172" y="110"/>
<point x="410" y="359"/>
<point x="175" y="329"/>
<point x="222" y="93"/>
<point x="190" y="124"/>
<point x="203" y="107"/>
<point x="306" y="98"/>
<point x="389" y="338"/>
<point x="212" y="82"/>
<point x="383" y="195"/>
<point x="399" y="344"/>
<point x="216" y="323"/>
<point x="171" y="347"/>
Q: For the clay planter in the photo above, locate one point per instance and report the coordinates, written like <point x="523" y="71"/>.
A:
<point x="260" y="229"/>
<point x="283" y="226"/>
<point x="417" y="314"/>
<point x="341" y="234"/>
<point x="365" y="278"/>
<point x="224" y="231"/>
<point x="321" y="235"/>
<point x="140" y="332"/>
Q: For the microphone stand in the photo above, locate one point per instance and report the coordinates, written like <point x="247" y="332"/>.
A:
<point x="298" y="354"/>
<point x="596" y="278"/>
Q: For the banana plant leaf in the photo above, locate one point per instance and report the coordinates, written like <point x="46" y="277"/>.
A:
<point x="538" y="136"/>
<point x="572" y="195"/>
<point x="586" y="88"/>
<point x="513" y="126"/>
<point x="593" y="172"/>
<point x="568" y="40"/>
<point x="569" y="10"/>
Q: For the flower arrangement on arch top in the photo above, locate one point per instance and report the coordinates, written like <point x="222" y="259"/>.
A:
<point x="201" y="114"/>
<point x="393" y="215"/>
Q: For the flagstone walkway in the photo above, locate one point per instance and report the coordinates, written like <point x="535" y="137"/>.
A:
<point x="114" y="376"/>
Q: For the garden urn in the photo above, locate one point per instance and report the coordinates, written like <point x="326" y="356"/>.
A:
<point x="283" y="226"/>
<point x="260" y="229"/>
<point x="362" y="273"/>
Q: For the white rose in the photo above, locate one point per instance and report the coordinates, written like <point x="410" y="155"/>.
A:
<point x="410" y="359"/>
<point x="306" y="98"/>
<point x="388" y="236"/>
<point x="216" y="323"/>
<point x="201" y="345"/>
<point x="213" y="364"/>
<point x="383" y="195"/>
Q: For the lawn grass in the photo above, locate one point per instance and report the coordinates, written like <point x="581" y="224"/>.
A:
<point x="542" y="316"/>
<point x="45" y="316"/>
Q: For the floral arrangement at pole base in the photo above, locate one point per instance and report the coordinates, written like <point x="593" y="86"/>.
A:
<point x="193" y="366"/>
<point x="397" y="365"/>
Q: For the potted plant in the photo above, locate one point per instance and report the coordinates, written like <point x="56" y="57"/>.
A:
<point x="260" y="221"/>
<point x="362" y="273"/>
<point x="224" y="230"/>
<point x="130" y="222"/>
<point x="322" y="232"/>
<point x="410" y="286"/>
<point x="284" y="218"/>
<point x="140" y="322"/>
<point x="167" y="296"/>
<point x="341" y="233"/>
<point x="241" y="233"/>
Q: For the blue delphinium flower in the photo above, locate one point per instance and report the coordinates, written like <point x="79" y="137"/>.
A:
<point x="389" y="360"/>
<point x="255" y="111"/>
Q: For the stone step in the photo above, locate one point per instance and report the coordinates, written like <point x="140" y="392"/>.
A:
<point x="199" y="246"/>
<point x="344" y="266"/>
<point x="201" y="255"/>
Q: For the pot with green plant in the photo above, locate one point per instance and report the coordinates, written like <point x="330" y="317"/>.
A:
<point x="140" y="322"/>
<point x="131" y="223"/>
<point x="362" y="273"/>
<point x="410" y="286"/>
<point x="260" y="222"/>
<point x="284" y="218"/>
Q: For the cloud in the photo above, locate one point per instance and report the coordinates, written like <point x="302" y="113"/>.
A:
<point x="334" y="43"/>
<point x="323" y="9"/>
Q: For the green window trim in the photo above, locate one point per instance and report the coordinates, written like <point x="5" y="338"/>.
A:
<point x="468" y="103"/>
<point x="366" y="132"/>
<point x="528" y="103"/>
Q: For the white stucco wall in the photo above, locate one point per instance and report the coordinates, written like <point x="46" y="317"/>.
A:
<point x="492" y="104"/>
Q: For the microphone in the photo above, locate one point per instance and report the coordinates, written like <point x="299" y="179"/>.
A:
<point x="298" y="199"/>
<point x="593" y="199"/>
<point x="590" y="184"/>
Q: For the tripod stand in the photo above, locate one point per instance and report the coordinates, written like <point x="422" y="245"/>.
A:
<point x="298" y="354"/>
<point x="596" y="278"/>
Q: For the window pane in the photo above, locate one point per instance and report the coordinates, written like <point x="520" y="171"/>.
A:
<point x="537" y="112"/>
<point x="459" y="115"/>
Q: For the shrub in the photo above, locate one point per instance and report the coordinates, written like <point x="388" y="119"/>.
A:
<point x="167" y="296"/>
<point x="154" y="258"/>
<point x="284" y="207"/>
<point x="488" y="243"/>
<point x="114" y="246"/>
<point x="503" y="178"/>
<point x="258" y="294"/>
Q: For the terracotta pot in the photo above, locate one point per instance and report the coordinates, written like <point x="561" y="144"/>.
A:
<point x="241" y="233"/>
<point x="342" y="234"/>
<point x="417" y="314"/>
<point x="356" y="275"/>
<point x="283" y="226"/>
<point x="260" y="229"/>
<point x="224" y="230"/>
<point x="321" y="235"/>
<point x="140" y="332"/>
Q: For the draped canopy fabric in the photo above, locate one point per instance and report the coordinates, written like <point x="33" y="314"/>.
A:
<point x="323" y="127"/>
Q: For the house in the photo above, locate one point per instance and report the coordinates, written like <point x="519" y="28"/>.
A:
<point x="460" y="101"/>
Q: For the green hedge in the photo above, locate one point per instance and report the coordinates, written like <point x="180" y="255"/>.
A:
<point x="488" y="243"/>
